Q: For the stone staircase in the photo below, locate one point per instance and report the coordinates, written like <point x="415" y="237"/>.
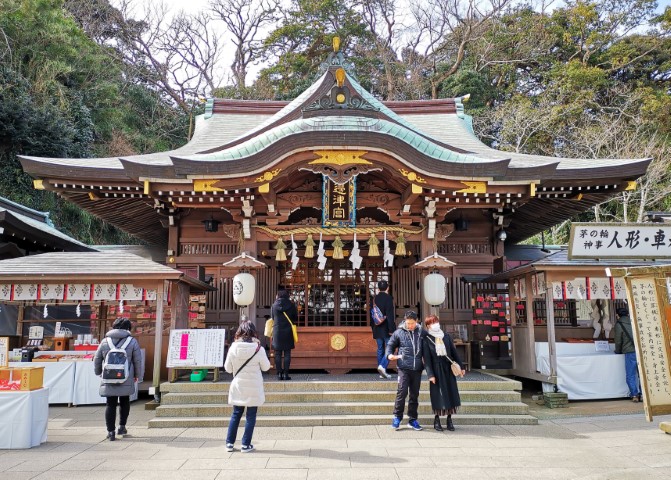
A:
<point x="359" y="399"/>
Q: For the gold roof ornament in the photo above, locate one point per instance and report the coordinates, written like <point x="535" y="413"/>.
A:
<point x="336" y="44"/>
<point x="340" y="76"/>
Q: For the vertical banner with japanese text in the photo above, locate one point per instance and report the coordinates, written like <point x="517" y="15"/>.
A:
<point x="339" y="203"/>
<point x="651" y="332"/>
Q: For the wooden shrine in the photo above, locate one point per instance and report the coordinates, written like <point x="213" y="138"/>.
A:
<point x="335" y="167"/>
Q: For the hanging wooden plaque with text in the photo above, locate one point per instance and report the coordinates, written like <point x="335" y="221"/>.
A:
<point x="339" y="203"/>
<point x="653" y="342"/>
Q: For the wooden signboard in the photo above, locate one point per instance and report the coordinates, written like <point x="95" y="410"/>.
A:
<point x="196" y="348"/>
<point x="4" y="351"/>
<point x="649" y="313"/>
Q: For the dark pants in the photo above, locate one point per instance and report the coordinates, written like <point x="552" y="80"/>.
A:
<point x="408" y="381"/>
<point x="282" y="360"/>
<point x="382" y="359"/>
<point x="110" y="411"/>
<point x="250" y="422"/>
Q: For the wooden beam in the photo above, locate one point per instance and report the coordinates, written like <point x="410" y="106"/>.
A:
<point x="270" y="196"/>
<point x="411" y="194"/>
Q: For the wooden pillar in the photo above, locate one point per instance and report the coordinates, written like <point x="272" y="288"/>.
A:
<point x="552" y="344"/>
<point x="179" y="311"/>
<point x="158" y="340"/>
<point x="531" y="333"/>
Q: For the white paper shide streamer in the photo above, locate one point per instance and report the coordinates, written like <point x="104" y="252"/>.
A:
<point x="355" y="257"/>
<point x="387" y="255"/>
<point x="321" y="257"/>
<point x="294" y="253"/>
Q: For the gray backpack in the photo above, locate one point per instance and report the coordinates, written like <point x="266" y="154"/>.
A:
<point x="115" y="366"/>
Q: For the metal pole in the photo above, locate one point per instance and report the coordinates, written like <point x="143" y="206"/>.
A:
<point x="158" y="341"/>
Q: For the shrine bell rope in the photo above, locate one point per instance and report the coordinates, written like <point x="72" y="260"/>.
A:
<point x="339" y="230"/>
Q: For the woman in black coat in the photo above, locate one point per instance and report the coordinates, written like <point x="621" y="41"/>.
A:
<point x="283" y="337"/>
<point x="437" y="346"/>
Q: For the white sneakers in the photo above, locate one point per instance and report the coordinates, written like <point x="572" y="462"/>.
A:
<point x="383" y="372"/>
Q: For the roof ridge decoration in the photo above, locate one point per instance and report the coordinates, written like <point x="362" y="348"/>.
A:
<point x="336" y="59"/>
<point x="340" y="96"/>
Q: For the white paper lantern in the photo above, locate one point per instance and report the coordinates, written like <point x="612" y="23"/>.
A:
<point x="243" y="289"/>
<point x="434" y="289"/>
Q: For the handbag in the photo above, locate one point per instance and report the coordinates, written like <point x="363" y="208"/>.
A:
<point x="294" y="330"/>
<point x="376" y="313"/>
<point x="456" y="369"/>
<point x="268" y="329"/>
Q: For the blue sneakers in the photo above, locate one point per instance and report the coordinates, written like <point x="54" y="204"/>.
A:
<point x="414" y="424"/>
<point x="396" y="423"/>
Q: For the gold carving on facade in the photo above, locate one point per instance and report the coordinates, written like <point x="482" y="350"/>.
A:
<point x="338" y="341"/>
<point x="340" y="157"/>
<point x="474" y="187"/>
<point x="411" y="176"/>
<point x="206" y="186"/>
<point x="267" y="175"/>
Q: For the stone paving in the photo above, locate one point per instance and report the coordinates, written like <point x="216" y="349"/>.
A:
<point x="592" y="447"/>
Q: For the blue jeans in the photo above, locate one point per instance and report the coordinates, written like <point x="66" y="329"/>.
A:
<point x="250" y="422"/>
<point x="381" y="349"/>
<point x="631" y="370"/>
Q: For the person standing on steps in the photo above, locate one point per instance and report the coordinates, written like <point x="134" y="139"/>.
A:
<point x="246" y="360"/>
<point x="438" y="350"/>
<point x="624" y="343"/>
<point x="283" y="313"/>
<point x="119" y="393"/>
<point x="408" y="342"/>
<point x="383" y="331"/>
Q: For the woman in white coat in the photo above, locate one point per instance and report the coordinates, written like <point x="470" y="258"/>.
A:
<point x="246" y="360"/>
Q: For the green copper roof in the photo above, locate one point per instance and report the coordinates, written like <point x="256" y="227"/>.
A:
<point x="340" y="124"/>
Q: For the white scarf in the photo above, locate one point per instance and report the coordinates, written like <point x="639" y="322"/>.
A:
<point x="441" y="351"/>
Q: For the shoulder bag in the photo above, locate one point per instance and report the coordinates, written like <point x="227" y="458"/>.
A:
<point x="456" y="369"/>
<point x="258" y="347"/>
<point x="294" y="330"/>
<point x="268" y="329"/>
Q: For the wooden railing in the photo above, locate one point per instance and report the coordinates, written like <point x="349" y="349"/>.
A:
<point x="208" y="248"/>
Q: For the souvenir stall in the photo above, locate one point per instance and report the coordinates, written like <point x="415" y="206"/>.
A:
<point x="563" y="315"/>
<point x="82" y="293"/>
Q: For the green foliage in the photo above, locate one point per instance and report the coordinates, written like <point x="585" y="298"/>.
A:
<point x="63" y="95"/>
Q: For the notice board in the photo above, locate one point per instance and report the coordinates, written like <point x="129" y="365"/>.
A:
<point x="4" y="351"/>
<point x="196" y="348"/>
<point x="648" y="301"/>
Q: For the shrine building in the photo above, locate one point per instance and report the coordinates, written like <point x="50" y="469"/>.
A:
<point x="336" y="165"/>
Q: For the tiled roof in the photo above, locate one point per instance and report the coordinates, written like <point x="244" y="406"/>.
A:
<point x="87" y="265"/>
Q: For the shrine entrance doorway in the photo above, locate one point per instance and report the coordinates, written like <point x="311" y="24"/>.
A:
<point x="338" y="295"/>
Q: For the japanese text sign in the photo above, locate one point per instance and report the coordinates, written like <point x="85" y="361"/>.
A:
<point x="196" y="348"/>
<point x="651" y="332"/>
<point x="619" y="240"/>
<point x="339" y="203"/>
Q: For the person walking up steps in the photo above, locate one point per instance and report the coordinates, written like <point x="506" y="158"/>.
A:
<point x="407" y="340"/>
<point x="383" y="330"/>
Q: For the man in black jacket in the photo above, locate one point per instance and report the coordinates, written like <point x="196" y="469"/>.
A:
<point x="407" y="339"/>
<point x="383" y="331"/>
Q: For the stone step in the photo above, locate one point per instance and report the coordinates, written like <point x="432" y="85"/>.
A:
<point x="340" y="420"/>
<point x="316" y="386"/>
<point x="336" y="408"/>
<point x="334" y="396"/>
